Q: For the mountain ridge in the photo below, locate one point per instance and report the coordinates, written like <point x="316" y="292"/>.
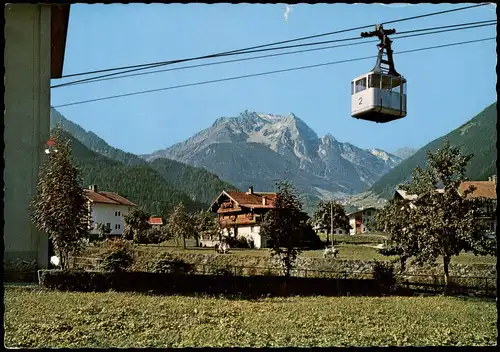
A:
<point x="177" y="176"/>
<point x="476" y="136"/>
<point x="321" y="166"/>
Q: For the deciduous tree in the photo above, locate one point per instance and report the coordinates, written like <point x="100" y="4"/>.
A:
<point x="180" y="224"/>
<point x="395" y="219"/>
<point x="103" y="231"/>
<point x="60" y="206"/>
<point x="206" y="225"/>
<point x="284" y="226"/>
<point x="136" y="225"/>
<point x="441" y="223"/>
<point x="326" y="212"/>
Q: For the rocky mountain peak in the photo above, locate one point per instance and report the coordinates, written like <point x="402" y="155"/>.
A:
<point x="257" y="148"/>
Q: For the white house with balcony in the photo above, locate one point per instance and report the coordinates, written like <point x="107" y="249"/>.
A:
<point x="240" y="214"/>
<point x="107" y="208"/>
<point x="361" y="221"/>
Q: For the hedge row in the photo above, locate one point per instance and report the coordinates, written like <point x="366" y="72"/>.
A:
<point x="19" y="276"/>
<point x="208" y="284"/>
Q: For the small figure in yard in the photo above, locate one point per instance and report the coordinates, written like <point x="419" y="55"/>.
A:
<point x="54" y="260"/>
<point x="331" y="251"/>
<point x="222" y="247"/>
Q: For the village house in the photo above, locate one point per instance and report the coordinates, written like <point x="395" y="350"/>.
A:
<point x="107" y="208"/>
<point x="484" y="189"/>
<point x="155" y="222"/>
<point x="361" y="221"/>
<point x="240" y="214"/>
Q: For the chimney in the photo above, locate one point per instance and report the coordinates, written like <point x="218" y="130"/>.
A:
<point x="250" y="190"/>
<point x="263" y="200"/>
<point x="93" y="188"/>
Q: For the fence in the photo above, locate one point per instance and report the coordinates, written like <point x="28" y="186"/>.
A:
<point x="424" y="283"/>
<point x="461" y="284"/>
<point x="86" y="263"/>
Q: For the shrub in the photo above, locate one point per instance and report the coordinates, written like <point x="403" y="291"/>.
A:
<point x="165" y="263"/>
<point x="383" y="272"/>
<point x="155" y="236"/>
<point x="150" y="236"/>
<point x="224" y="270"/>
<point x="189" y="284"/>
<point x="252" y="271"/>
<point x="114" y="243"/>
<point x="239" y="242"/>
<point x="117" y="255"/>
<point x="311" y="240"/>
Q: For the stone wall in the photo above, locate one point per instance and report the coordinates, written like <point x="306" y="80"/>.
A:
<point x="337" y="265"/>
<point x="311" y="264"/>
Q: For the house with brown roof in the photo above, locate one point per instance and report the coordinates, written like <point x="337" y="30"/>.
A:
<point x="107" y="208"/>
<point x="483" y="189"/>
<point x="487" y="190"/>
<point x="240" y="214"/>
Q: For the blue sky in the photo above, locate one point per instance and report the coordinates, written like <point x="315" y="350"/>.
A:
<point x="446" y="87"/>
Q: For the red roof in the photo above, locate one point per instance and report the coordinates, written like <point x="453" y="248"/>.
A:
<point x="253" y="200"/>
<point x="486" y="189"/>
<point x="155" y="221"/>
<point x="107" y="198"/>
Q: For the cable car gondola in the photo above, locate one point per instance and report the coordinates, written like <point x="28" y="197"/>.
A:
<point x="379" y="95"/>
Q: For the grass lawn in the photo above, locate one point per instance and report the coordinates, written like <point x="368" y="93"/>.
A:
<point x="376" y="237"/>
<point x="347" y="251"/>
<point x="37" y="318"/>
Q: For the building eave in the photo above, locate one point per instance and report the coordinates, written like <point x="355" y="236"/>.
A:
<point x="58" y="34"/>
<point x="218" y="197"/>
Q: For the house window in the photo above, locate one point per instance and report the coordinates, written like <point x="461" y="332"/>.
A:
<point x="340" y="232"/>
<point x="492" y="226"/>
<point x="117" y="213"/>
<point x="251" y="228"/>
<point x="368" y="213"/>
<point x="108" y="225"/>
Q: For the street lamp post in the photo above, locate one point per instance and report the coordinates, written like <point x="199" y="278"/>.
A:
<point x="331" y="220"/>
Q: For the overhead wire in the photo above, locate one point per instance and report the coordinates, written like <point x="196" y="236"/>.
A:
<point x="91" y="79"/>
<point x="155" y="64"/>
<point x="471" y="25"/>
<point x="266" y="73"/>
